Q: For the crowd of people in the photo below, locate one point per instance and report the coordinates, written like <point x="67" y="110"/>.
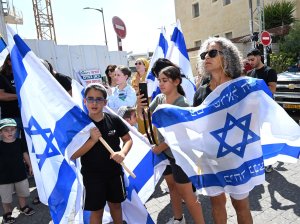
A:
<point x="102" y="173"/>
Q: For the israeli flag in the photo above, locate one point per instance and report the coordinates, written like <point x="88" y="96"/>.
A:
<point x="55" y="128"/>
<point x="147" y="167"/>
<point x="160" y="52"/>
<point x="3" y="50"/>
<point x="177" y="53"/>
<point x="224" y="144"/>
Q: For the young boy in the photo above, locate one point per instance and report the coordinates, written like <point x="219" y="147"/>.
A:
<point x="102" y="172"/>
<point x="13" y="153"/>
<point x="128" y="114"/>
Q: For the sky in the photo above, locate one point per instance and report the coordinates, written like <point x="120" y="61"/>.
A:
<point x="76" y="26"/>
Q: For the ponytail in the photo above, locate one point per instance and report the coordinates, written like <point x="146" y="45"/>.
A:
<point x="180" y="90"/>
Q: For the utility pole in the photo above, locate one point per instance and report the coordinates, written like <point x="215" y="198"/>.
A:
<point x="261" y="17"/>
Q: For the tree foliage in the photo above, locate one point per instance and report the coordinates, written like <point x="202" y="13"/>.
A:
<point x="279" y="13"/>
<point x="291" y="43"/>
<point x="281" y="61"/>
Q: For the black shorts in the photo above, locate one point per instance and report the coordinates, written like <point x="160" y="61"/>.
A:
<point x="98" y="191"/>
<point x="178" y="174"/>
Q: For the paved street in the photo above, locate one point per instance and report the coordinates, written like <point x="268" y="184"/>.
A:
<point x="276" y="202"/>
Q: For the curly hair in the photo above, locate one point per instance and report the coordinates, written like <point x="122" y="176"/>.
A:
<point x="233" y="65"/>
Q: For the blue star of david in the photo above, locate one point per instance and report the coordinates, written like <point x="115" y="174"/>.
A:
<point x="248" y="136"/>
<point x="50" y="150"/>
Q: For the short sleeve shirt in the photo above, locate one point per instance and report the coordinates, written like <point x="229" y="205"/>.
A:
<point x="266" y="73"/>
<point x="12" y="167"/>
<point x="8" y="108"/>
<point x="96" y="163"/>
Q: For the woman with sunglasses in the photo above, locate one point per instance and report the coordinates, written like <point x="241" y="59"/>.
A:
<point x="110" y="74"/>
<point x="141" y="65"/>
<point x="221" y="61"/>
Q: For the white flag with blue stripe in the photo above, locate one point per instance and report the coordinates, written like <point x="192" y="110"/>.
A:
<point x="160" y="52"/>
<point x="147" y="167"/>
<point x="55" y="128"/>
<point x="177" y="53"/>
<point x="224" y="144"/>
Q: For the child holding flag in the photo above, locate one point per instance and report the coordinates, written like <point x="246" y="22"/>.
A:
<point x="102" y="172"/>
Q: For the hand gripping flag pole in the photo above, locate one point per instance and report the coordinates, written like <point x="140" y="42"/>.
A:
<point x="111" y="151"/>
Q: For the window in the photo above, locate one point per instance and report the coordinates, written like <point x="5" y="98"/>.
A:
<point x="197" y="43"/>
<point x="196" y="10"/>
<point x="226" y="2"/>
<point x="228" y="35"/>
<point x="214" y="0"/>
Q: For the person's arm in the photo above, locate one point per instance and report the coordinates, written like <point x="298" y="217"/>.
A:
<point x="95" y="135"/>
<point x="272" y="86"/>
<point x="157" y="149"/>
<point x="127" y="144"/>
<point x="7" y="96"/>
<point x="27" y="161"/>
<point x="272" y="80"/>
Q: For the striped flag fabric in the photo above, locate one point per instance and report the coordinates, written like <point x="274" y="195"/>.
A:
<point x="55" y="128"/>
<point x="224" y="144"/>
<point x="160" y="52"/>
<point x="177" y="53"/>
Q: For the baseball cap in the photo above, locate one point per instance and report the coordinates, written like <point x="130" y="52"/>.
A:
<point x="7" y="122"/>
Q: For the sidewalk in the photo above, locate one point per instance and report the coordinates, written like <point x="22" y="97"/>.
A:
<point x="276" y="201"/>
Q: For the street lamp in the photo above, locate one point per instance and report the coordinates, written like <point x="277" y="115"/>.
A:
<point x="100" y="10"/>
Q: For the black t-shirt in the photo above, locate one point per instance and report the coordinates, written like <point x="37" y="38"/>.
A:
<point x="266" y="73"/>
<point x="96" y="163"/>
<point x="12" y="167"/>
<point x="200" y="95"/>
<point x="9" y="109"/>
<point x="64" y="80"/>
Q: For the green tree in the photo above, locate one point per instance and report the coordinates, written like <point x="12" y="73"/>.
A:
<point x="290" y="44"/>
<point x="279" y="13"/>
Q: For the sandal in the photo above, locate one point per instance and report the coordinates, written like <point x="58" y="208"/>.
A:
<point x="7" y="219"/>
<point x="26" y="210"/>
<point x="36" y="201"/>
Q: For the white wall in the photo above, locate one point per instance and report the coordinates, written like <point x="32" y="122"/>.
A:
<point x="69" y="59"/>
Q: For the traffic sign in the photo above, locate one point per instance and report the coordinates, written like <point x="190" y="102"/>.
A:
<point x="119" y="27"/>
<point x="265" y="38"/>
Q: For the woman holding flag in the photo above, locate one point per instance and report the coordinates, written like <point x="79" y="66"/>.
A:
<point x="221" y="61"/>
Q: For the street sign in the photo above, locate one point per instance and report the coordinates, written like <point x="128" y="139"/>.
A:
<point x="265" y="38"/>
<point x="119" y="27"/>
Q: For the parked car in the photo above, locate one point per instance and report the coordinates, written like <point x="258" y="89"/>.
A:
<point x="288" y="93"/>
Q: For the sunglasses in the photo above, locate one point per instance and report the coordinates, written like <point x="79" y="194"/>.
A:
<point x="95" y="100"/>
<point x="212" y="53"/>
<point x="138" y="63"/>
<point x="111" y="70"/>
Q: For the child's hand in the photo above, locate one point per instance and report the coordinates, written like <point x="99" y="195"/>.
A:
<point x="156" y="150"/>
<point x="118" y="156"/>
<point x="95" y="134"/>
<point x="140" y="101"/>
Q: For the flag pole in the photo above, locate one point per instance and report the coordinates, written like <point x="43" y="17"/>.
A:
<point x="112" y="152"/>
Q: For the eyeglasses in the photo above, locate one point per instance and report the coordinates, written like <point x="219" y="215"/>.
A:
<point x="212" y="53"/>
<point x="138" y="63"/>
<point x="95" y="100"/>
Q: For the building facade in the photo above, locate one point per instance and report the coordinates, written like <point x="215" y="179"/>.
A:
<point x="201" y="19"/>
